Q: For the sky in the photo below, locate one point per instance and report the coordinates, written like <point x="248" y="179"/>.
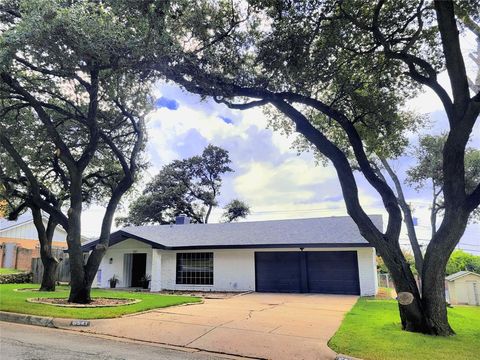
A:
<point x="271" y="177"/>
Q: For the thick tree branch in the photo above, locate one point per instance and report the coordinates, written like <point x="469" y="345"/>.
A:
<point x="408" y="218"/>
<point x="36" y="191"/>
<point x="473" y="200"/>
<point x="345" y="172"/>
<point x="65" y="153"/>
<point x="457" y="73"/>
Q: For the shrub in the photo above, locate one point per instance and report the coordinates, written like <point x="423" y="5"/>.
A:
<point x="19" y="278"/>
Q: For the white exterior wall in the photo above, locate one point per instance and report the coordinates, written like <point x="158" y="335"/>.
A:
<point x="233" y="269"/>
<point x="116" y="253"/>
<point x="156" y="273"/>
<point x="367" y="271"/>
<point x="28" y="231"/>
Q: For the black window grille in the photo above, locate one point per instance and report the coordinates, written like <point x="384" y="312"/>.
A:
<point x="195" y="268"/>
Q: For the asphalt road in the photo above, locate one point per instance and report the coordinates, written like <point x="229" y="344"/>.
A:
<point x="24" y="342"/>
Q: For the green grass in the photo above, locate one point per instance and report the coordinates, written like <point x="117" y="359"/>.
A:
<point x="16" y="301"/>
<point x="372" y="331"/>
<point x="6" y="271"/>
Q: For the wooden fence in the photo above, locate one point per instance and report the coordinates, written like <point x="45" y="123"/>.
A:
<point x="63" y="269"/>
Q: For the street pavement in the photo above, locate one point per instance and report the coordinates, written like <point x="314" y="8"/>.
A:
<point x="25" y="342"/>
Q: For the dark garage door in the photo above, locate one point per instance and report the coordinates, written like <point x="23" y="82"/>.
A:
<point x="328" y="272"/>
<point x="278" y="271"/>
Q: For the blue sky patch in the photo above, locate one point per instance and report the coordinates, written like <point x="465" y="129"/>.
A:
<point x="226" y="120"/>
<point x="163" y="102"/>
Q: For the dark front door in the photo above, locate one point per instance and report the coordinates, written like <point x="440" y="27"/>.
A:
<point x="328" y="272"/>
<point x="139" y="265"/>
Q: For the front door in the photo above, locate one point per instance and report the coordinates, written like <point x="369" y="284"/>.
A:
<point x="139" y="265"/>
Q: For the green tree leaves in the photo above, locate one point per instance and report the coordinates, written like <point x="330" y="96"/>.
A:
<point x="190" y="186"/>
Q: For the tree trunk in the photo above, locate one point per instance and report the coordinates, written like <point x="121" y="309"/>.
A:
<point x="412" y="314"/>
<point x="79" y="289"/>
<point x="209" y="211"/>
<point x="45" y="237"/>
<point x="408" y="218"/>
<point x="435" y="304"/>
<point x="79" y="293"/>
<point x="438" y="252"/>
<point x="49" y="277"/>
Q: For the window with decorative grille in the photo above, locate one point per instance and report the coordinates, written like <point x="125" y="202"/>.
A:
<point x="195" y="268"/>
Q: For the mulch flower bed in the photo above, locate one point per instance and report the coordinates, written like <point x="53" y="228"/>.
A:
<point x="96" y="302"/>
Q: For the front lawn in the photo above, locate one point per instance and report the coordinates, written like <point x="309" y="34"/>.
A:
<point x="372" y="331"/>
<point x="7" y="271"/>
<point x="15" y="301"/>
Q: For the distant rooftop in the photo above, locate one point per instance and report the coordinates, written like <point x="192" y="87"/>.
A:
<point x="460" y="274"/>
<point x="25" y="217"/>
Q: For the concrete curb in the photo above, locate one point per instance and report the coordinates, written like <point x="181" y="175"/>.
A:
<point x="345" y="357"/>
<point x="27" y="319"/>
<point x="57" y="323"/>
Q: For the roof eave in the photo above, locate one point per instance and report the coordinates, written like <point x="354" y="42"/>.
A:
<point x="270" y="246"/>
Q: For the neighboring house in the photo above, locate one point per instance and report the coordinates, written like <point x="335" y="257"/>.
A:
<point x="464" y="288"/>
<point x="23" y="232"/>
<point x="321" y="255"/>
<point x="19" y="241"/>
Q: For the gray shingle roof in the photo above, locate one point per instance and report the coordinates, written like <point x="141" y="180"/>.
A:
<point x="327" y="231"/>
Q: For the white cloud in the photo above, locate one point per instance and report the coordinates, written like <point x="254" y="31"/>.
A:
<point x="265" y="183"/>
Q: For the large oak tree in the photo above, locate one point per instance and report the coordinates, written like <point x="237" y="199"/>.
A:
<point x="70" y="65"/>
<point x="189" y="186"/>
<point x="324" y="65"/>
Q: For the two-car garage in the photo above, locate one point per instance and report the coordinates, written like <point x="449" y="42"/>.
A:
<point x="329" y="272"/>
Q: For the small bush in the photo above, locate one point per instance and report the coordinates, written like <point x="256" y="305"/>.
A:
<point x="19" y="278"/>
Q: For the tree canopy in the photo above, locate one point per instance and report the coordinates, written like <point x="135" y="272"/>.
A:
<point x="72" y="105"/>
<point x="463" y="261"/>
<point x="190" y="186"/>
<point x="428" y="172"/>
<point x="338" y="73"/>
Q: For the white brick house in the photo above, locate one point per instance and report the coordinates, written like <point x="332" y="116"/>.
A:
<point x="320" y="255"/>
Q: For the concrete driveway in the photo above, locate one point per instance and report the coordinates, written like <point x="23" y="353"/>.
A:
<point x="266" y="326"/>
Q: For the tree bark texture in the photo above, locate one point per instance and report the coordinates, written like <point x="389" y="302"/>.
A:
<point x="45" y="236"/>
<point x="408" y="218"/>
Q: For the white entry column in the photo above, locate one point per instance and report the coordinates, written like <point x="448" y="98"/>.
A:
<point x="156" y="275"/>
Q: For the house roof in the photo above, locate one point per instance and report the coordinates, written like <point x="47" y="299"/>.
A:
<point x="22" y="219"/>
<point x="336" y="231"/>
<point x="460" y="274"/>
<point x="27" y="218"/>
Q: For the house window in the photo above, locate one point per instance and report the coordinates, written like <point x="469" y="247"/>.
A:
<point x="195" y="268"/>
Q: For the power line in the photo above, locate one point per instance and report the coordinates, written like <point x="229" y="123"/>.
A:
<point x="297" y="210"/>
